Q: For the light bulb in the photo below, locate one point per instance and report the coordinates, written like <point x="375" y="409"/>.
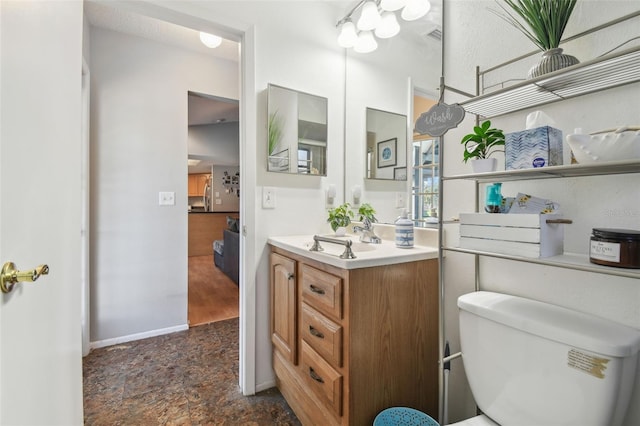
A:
<point x="388" y="26"/>
<point x="366" y="42"/>
<point x="392" y="5"/>
<point x="369" y="18"/>
<point x="348" y="35"/>
<point x="415" y="9"/>
<point x="210" y="40"/>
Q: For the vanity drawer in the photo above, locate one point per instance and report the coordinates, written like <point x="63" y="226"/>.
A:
<point x="323" y="380"/>
<point x="322" y="290"/>
<point x="322" y="334"/>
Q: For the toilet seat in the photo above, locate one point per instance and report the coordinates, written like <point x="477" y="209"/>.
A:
<point x="480" y="420"/>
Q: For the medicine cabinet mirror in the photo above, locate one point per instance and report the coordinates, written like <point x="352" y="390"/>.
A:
<point x="297" y="132"/>
<point x="386" y="156"/>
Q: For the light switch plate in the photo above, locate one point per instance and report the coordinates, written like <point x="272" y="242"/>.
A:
<point x="400" y="197"/>
<point x="167" y="198"/>
<point x="268" y="197"/>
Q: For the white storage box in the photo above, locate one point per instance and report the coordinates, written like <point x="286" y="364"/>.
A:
<point x="527" y="235"/>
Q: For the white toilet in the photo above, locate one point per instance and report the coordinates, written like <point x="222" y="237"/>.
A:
<point x="530" y="363"/>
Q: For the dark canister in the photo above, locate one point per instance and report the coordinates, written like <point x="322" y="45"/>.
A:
<point x="615" y="247"/>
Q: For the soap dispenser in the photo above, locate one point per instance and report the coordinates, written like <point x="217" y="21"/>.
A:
<point x="404" y="231"/>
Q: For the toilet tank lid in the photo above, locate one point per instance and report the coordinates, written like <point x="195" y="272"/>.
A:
<point x="553" y="322"/>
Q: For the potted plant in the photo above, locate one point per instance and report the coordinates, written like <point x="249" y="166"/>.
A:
<point x="480" y="145"/>
<point x="339" y="218"/>
<point x="543" y="22"/>
<point x="367" y="212"/>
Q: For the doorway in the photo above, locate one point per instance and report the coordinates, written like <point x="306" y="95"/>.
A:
<point x="158" y="150"/>
<point x="214" y="208"/>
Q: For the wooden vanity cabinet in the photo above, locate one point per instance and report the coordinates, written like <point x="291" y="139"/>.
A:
<point x="349" y="343"/>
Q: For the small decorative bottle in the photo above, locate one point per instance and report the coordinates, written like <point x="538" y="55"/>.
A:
<point x="404" y="231"/>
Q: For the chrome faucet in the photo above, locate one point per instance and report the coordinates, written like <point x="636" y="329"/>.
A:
<point x="367" y="235"/>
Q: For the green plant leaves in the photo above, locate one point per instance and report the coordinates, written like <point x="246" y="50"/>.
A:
<point x="340" y="216"/>
<point x="542" y="21"/>
<point x="482" y="143"/>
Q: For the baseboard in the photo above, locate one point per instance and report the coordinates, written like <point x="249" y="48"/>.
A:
<point x="266" y="385"/>
<point x="137" y="336"/>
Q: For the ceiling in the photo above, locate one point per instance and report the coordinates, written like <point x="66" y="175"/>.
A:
<point x="203" y="109"/>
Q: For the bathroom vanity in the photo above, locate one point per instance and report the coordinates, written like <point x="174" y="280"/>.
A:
<point x="353" y="337"/>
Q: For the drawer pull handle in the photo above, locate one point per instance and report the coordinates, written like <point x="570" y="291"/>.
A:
<point x="314" y="376"/>
<point x="316" y="289"/>
<point x="315" y="332"/>
<point x="290" y="276"/>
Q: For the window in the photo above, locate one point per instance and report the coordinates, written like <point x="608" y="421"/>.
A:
<point x="424" y="204"/>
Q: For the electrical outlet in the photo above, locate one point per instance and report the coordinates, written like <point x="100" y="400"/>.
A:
<point x="400" y="199"/>
<point x="167" y="198"/>
<point x="268" y="197"/>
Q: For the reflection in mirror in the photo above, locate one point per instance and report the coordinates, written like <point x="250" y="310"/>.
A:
<point x="297" y="129"/>
<point x="386" y="145"/>
<point x="425" y="159"/>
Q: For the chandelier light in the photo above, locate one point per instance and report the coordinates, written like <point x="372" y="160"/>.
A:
<point x="415" y="9"/>
<point x="348" y="34"/>
<point x="392" y="5"/>
<point x="366" y="42"/>
<point x="370" y="17"/>
<point x="388" y="26"/>
<point x="377" y="17"/>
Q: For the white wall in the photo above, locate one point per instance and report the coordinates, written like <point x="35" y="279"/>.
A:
<point x="590" y="202"/>
<point x="139" y="147"/>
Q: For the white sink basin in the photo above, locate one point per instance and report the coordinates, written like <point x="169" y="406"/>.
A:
<point x="366" y="254"/>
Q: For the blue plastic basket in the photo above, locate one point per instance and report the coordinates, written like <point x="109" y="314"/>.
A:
<point x="403" y="416"/>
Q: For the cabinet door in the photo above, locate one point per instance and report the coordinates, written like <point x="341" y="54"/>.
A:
<point x="283" y="306"/>
<point x="192" y="185"/>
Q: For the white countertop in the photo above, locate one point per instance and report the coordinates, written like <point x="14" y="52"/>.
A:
<point x="366" y="254"/>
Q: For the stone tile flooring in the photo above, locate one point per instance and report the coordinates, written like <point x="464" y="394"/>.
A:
<point x="183" y="378"/>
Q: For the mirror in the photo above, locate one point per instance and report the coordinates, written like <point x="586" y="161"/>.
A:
<point x="297" y="132"/>
<point x="386" y="145"/>
<point x="387" y="80"/>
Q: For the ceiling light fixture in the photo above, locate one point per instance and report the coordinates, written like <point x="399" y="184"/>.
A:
<point x="210" y="40"/>
<point x="366" y="42"/>
<point x="388" y="26"/>
<point x="348" y="34"/>
<point x="415" y="9"/>
<point x="377" y="16"/>
<point x="370" y="17"/>
<point x="392" y="5"/>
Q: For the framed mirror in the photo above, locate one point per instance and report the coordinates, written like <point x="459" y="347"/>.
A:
<point x="386" y="156"/>
<point x="297" y="132"/>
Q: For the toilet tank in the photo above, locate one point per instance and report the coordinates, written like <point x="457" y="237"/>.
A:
<point x="532" y="363"/>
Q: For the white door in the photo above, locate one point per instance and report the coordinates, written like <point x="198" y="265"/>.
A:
<point x="40" y="206"/>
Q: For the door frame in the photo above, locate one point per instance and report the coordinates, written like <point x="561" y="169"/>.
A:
<point x="195" y="17"/>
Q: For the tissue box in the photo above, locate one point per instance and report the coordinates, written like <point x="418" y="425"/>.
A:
<point x="538" y="147"/>
<point x="526" y="235"/>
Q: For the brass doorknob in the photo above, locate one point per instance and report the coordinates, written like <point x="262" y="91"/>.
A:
<point x="10" y="275"/>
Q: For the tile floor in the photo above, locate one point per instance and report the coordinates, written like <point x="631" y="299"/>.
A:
<point x="184" y="378"/>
